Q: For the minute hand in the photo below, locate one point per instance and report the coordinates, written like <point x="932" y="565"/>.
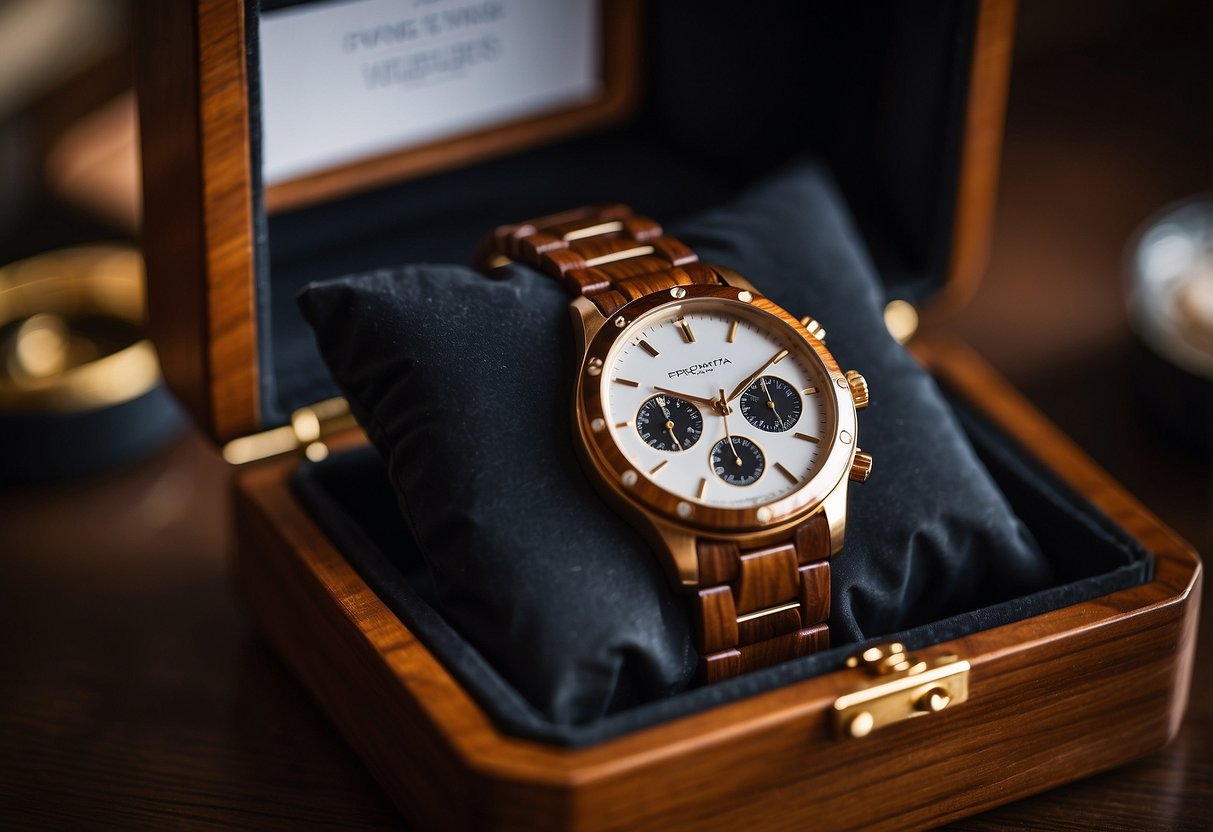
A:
<point x="750" y="379"/>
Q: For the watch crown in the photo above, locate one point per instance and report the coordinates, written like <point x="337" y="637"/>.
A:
<point x="815" y="329"/>
<point x="861" y="467"/>
<point x="859" y="389"/>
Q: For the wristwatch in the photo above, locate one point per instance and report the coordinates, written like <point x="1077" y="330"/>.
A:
<point x="712" y="419"/>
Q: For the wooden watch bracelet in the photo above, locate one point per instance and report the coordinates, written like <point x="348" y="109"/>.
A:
<point x="754" y="607"/>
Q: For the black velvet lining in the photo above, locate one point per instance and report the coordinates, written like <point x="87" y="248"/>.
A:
<point x="349" y="496"/>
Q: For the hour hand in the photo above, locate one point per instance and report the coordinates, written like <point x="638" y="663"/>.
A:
<point x="698" y="399"/>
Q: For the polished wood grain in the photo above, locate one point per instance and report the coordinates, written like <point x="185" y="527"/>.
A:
<point x="767" y="627"/>
<point x="622" y="32"/>
<point x="192" y="84"/>
<point x="766" y="577"/>
<point x="764" y="580"/>
<point x="174" y="243"/>
<point x="1049" y="700"/>
<point x="981" y="149"/>
<point x="813" y="539"/>
<point x="717" y="561"/>
<point x="715" y="619"/>
<point x="815" y="591"/>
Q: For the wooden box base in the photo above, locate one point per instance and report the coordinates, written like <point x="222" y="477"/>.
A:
<point x="1053" y="698"/>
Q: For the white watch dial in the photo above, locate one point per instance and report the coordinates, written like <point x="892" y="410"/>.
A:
<point x="719" y="403"/>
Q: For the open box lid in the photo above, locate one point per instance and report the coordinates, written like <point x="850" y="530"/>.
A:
<point x="905" y="105"/>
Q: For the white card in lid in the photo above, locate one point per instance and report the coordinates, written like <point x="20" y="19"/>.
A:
<point x="347" y="81"/>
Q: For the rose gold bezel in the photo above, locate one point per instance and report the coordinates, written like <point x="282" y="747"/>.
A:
<point x="636" y="489"/>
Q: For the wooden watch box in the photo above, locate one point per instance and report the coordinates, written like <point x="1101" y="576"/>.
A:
<point x="1027" y="705"/>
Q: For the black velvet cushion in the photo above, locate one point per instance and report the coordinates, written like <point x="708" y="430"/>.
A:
<point x="463" y="384"/>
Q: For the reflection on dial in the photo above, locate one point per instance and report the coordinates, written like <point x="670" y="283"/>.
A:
<point x="771" y="404"/>
<point x="738" y="461"/>
<point x="668" y="423"/>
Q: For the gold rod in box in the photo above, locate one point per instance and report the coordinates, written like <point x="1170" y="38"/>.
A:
<point x="307" y="429"/>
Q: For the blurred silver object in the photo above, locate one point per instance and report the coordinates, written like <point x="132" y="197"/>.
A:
<point x="1170" y="273"/>
<point x="1171" y="285"/>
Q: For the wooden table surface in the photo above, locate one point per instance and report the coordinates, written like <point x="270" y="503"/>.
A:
<point x="133" y="692"/>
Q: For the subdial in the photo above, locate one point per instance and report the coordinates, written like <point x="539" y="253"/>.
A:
<point x="771" y="404"/>
<point x="668" y="423"/>
<point x="738" y="461"/>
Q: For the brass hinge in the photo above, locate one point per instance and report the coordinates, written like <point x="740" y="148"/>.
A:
<point x="906" y="687"/>
<point x="308" y="427"/>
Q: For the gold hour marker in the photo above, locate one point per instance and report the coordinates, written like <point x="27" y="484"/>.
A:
<point x="625" y="381"/>
<point x="703" y="487"/>
<point x="658" y="467"/>
<point x="782" y="355"/>
<point x="808" y="391"/>
<point x="732" y="332"/>
<point x="649" y="348"/>
<point x="687" y="335"/>
<point x="791" y="477"/>
<point x="807" y="438"/>
<point x="623" y="424"/>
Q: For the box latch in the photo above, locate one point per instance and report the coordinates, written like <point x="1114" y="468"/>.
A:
<point x="904" y="687"/>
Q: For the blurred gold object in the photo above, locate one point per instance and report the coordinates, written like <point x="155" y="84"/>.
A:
<point x="901" y="319"/>
<point x="71" y="331"/>
<point x="38" y="348"/>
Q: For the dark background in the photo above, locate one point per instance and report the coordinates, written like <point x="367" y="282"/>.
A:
<point x="134" y="692"/>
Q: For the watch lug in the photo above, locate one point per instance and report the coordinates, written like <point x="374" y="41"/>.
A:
<point x="587" y="320"/>
<point x="834" y="507"/>
<point x="679" y="552"/>
<point x="734" y="279"/>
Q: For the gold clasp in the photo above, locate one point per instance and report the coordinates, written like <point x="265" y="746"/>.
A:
<point x="906" y="687"/>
